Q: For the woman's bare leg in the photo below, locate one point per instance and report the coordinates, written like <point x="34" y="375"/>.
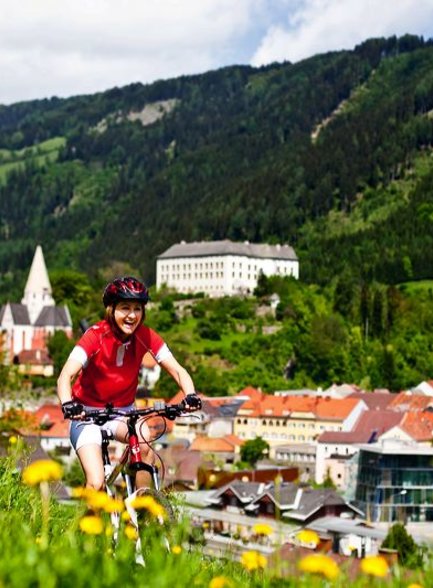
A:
<point x="90" y="457"/>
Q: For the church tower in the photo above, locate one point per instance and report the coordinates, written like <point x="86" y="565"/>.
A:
<point x="26" y="327"/>
<point x="37" y="292"/>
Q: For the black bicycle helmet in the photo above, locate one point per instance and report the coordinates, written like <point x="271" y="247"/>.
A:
<point x="126" y="288"/>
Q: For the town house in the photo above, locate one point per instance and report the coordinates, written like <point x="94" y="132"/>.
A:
<point x="282" y="419"/>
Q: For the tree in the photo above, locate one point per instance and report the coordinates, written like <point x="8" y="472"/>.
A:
<point x="253" y="450"/>
<point x="59" y="348"/>
<point x="409" y="553"/>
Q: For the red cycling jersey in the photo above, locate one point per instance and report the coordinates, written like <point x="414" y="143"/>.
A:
<point x="110" y="366"/>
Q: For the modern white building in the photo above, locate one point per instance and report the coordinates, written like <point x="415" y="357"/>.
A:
<point x="220" y="268"/>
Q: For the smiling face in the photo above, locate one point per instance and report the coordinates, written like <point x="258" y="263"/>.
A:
<point x="128" y="314"/>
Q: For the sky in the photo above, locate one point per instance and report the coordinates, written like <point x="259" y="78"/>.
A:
<point x="69" y="47"/>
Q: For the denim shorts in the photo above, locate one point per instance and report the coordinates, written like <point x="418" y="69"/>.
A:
<point x="87" y="433"/>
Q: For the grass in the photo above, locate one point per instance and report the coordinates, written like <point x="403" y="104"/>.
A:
<point x="44" y="543"/>
<point x="44" y="152"/>
<point x="417" y="285"/>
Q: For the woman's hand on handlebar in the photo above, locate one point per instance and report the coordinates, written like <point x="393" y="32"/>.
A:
<point x="192" y="402"/>
<point x="73" y="410"/>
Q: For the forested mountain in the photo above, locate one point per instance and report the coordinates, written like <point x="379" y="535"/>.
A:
<point x="331" y="154"/>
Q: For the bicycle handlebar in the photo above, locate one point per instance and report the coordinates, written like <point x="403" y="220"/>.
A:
<point x="168" y="411"/>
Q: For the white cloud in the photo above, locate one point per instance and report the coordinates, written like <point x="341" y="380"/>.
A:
<point x="69" y="47"/>
<point x="63" y="47"/>
<point x="317" y="26"/>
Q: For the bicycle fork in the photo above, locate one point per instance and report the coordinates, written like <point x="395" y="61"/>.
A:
<point x="136" y="464"/>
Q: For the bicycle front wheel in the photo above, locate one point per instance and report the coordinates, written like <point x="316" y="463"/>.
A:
<point x="152" y="507"/>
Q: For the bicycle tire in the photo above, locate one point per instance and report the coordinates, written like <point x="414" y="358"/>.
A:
<point x="114" y="516"/>
<point x="144" y="520"/>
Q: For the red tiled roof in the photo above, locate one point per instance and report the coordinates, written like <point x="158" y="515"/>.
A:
<point x="215" y="444"/>
<point x="418" y="425"/>
<point x="34" y="357"/>
<point x="322" y="407"/>
<point x="376" y="400"/>
<point x="253" y="393"/>
<point x="405" y="401"/>
<point x="51" y="417"/>
<point x="371" y="422"/>
<point x="335" y="408"/>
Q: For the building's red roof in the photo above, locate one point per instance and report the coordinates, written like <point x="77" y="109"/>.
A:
<point x="253" y="393"/>
<point x="370" y="426"/>
<point x="51" y="421"/>
<point x="322" y="407"/>
<point x="405" y="401"/>
<point x="216" y="444"/>
<point x="377" y="400"/>
<point x="418" y="425"/>
<point x="34" y="357"/>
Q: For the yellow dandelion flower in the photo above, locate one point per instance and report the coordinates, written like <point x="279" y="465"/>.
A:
<point x="44" y="470"/>
<point x="253" y="560"/>
<point x="220" y="582"/>
<point x="148" y="503"/>
<point x="125" y="516"/>
<point x="91" y="525"/>
<point x="13" y="440"/>
<point x="375" y="565"/>
<point x="97" y="499"/>
<point x="414" y="586"/>
<point x="308" y="536"/>
<point x="114" y="505"/>
<point x="80" y="492"/>
<point x="176" y="549"/>
<point x="131" y="532"/>
<point x="321" y="564"/>
<point x="262" y="529"/>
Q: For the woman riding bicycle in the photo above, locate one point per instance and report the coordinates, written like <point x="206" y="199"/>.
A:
<point x="103" y="368"/>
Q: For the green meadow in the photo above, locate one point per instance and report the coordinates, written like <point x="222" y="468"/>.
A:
<point x="47" y="543"/>
<point x="38" y="155"/>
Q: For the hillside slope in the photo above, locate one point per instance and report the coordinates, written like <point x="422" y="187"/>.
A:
<point x="232" y="156"/>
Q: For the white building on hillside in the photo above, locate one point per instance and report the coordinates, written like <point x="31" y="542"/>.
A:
<point x="26" y="327"/>
<point x="220" y="268"/>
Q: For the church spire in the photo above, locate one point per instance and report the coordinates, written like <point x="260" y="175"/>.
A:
<point x="38" y="292"/>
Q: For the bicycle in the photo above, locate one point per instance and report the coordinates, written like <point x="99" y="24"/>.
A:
<point x="130" y="462"/>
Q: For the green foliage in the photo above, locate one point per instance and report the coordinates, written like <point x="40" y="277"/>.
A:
<point x="74" y="476"/>
<point x="253" y="450"/>
<point x="409" y="552"/>
<point x="308" y="343"/>
<point x="59" y="348"/>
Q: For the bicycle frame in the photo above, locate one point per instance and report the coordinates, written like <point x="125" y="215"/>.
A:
<point x="130" y="461"/>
